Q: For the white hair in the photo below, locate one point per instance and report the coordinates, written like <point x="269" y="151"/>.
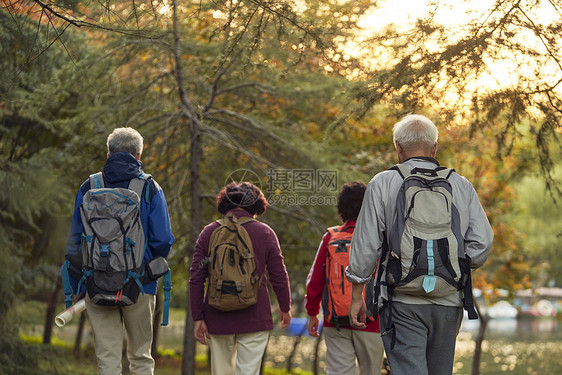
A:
<point x="125" y="140"/>
<point x="415" y="131"/>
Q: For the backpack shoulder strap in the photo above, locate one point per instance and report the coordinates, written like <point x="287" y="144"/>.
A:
<point x="444" y="172"/>
<point x="138" y="184"/>
<point x="333" y="230"/>
<point x="402" y="170"/>
<point x="245" y="219"/>
<point x="351" y="228"/>
<point x="439" y="171"/>
<point x="340" y="228"/>
<point x="230" y="217"/>
<point x="96" y="181"/>
<point x="66" y="284"/>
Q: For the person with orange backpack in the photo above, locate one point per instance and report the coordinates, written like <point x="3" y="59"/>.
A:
<point x="327" y="285"/>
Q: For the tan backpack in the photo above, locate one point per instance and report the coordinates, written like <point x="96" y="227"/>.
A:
<point x="233" y="279"/>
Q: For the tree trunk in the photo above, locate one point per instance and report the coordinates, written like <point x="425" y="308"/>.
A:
<point x="293" y="352"/>
<point x="292" y="355"/>
<point x="51" y="312"/>
<point x="190" y="113"/>
<point x="79" y="334"/>
<point x="188" y="366"/>
<point x="188" y="360"/>
<point x="484" y="319"/>
<point x="156" y="320"/>
<point x="316" y="350"/>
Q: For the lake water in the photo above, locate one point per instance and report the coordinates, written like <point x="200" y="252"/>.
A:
<point x="512" y="346"/>
<point x="520" y="347"/>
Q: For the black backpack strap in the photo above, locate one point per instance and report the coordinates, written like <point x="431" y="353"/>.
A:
<point x="96" y="181"/>
<point x="371" y="304"/>
<point x="468" y="300"/>
<point x="385" y="251"/>
<point x="335" y="320"/>
<point x="390" y="328"/>
<point x="439" y="171"/>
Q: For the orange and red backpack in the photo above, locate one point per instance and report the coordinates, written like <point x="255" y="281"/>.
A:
<point x="336" y="297"/>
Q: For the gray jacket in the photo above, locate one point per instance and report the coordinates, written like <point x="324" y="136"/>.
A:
<point x="377" y="214"/>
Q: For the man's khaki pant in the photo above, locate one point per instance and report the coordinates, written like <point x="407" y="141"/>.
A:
<point x="345" y="345"/>
<point x="239" y="354"/>
<point x="109" y="323"/>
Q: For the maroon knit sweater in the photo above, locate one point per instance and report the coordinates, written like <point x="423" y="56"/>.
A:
<point x="267" y="256"/>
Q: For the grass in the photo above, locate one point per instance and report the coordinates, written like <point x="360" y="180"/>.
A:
<point x="59" y="358"/>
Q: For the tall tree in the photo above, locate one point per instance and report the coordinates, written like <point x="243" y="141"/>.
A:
<point x="32" y="199"/>
<point x="244" y="33"/>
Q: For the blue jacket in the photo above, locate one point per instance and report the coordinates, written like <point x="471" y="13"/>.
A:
<point x="119" y="169"/>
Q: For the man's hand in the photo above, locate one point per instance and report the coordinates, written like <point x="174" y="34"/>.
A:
<point x="312" y="326"/>
<point x="285" y="318"/>
<point x="200" y="332"/>
<point x="357" y="309"/>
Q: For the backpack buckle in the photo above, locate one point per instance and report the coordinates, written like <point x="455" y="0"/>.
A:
<point x="104" y="250"/>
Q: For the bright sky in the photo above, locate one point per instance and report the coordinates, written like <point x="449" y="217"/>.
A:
<point x="403" y="13"/>
<point x="407" y="11"/>
<point x="451" y="12"/>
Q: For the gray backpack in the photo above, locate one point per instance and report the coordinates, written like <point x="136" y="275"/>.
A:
<point x="425" y="251"/>
<point x="426" y="247"/>
<point x="113" y="242"/>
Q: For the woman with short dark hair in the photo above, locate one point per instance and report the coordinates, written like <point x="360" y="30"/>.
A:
<point x="241" y="195"/>
<point x="238" y="338"/>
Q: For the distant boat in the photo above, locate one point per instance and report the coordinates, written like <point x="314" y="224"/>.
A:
<point x="502" y="310"/>
<point x="542" y="308"/>
<point x="540" y="302"/>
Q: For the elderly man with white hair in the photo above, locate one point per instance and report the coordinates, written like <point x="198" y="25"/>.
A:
<point x="419" y="331"/>
<point x="110" y="321"/>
